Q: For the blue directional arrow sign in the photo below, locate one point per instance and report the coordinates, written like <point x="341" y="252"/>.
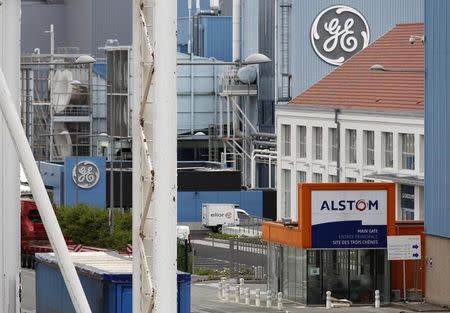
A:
<point x="416" y="255"/>
<point x="415" y="246"/>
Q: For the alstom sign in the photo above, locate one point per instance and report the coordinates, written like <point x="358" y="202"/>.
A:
<point x="349" y="219"/>
<point x="342" y="205"/>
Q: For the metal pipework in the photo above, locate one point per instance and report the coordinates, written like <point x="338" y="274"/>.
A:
<point x="43" y="203"/>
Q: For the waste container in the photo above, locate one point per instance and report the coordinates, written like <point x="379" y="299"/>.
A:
<point x="184" y="292"/>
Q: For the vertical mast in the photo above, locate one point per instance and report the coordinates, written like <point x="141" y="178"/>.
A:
<point x="154" y="156"/>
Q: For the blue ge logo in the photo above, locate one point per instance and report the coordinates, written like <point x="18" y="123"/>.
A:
<point x="350" y="205"/>
<point x="338" y="33"/>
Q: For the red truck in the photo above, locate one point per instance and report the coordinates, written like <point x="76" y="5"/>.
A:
<point x="34" y="237"/>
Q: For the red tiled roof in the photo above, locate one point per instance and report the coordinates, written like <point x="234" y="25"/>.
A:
<point x="353" y="86"/>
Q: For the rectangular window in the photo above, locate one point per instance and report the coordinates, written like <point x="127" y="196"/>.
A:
<point x="301" y="176"/>
<point x="286" y="192"/>
<point x="286" y="140"/>
<point x="369" y="138"/>
<point x="317" y="178"/>
<point x="407" y="151"/>
<point x="407" y="197"/>
<point x="350" y="180"/>
<point x="333" y="140"/>
<point x="388" y="153"/>
<point x="301" y="138"/>
<point x="351" y="146"/>
<point x="317" y="143"/>
<point x="421" y="149"/>
<point x="332" y="179"/>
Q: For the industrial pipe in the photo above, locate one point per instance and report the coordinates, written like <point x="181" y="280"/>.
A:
<point x="40" y="195"/>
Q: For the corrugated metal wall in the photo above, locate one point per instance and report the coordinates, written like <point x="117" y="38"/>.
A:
<point x="190" y="202"/>
<point x="215" y="37"/>
<point x="204" y="102"/>
<point x="381" y="15"/>
<point x="437" y="116"/>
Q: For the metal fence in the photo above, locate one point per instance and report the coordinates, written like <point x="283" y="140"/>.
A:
<point x="233" y="257"/>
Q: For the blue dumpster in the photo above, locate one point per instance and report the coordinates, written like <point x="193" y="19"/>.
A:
<point x="106" y="278"/>
<point x="184" y="292"/>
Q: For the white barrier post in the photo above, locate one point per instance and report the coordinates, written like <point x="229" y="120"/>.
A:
<point x="227" y="292"/>
<point x="220" y="290"/>
<point x="280" y="300"/>
<point x="377" y="298"/>
<point x="236" y="294"/>
<point x="247" y="296"/>
<point x="258" y="297"/>
<point x="223" y="282"/>
<point x="269" y="299"/>
<point x="328" y="300"/>
<point x="241" y="285"/>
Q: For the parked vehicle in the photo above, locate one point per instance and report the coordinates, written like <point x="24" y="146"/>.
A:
<point x="217" y="215"/>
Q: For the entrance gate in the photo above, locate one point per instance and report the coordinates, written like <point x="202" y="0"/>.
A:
<point x="348" y="274"/>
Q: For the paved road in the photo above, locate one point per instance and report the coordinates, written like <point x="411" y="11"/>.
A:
<point x="205" y="299"/>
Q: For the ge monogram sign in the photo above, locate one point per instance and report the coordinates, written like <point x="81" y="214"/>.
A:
<point x="339" y="32"/>
<point x="85" y="174"/>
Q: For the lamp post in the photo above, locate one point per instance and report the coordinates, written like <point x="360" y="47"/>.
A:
<point x="381" y="68"/>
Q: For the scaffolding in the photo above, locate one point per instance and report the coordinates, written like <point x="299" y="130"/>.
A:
<point x="57" y="110"/>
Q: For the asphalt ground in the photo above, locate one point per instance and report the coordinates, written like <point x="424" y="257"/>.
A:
<point x="205" y="299"/>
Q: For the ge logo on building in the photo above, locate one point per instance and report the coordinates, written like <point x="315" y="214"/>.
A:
<point x="338" y="33"/>
<point x="85" y="174"/>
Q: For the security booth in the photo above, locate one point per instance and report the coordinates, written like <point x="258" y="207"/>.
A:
<point x="338" y="244"/>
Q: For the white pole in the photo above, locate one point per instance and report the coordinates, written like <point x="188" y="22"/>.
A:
<point x="404" y="281"/>
<point x="258" y="297"/>
<point x="165" y="156"/>
<point x="236" y="29"/>
<point x="9" y="163"/>
<point x="377" y="299"/>
<point x="328" y="300"/>
<point x="40" y="195"/>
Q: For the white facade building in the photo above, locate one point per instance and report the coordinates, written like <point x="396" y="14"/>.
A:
<point x="374" y="146"/>
<point x="379" y="119"/>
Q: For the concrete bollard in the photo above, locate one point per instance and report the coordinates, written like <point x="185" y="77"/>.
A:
<point x="241" y="285"/>
<point x="377" y="298"/>
<point x="269" y="299"/>
<point x="328" y="300"/>
<point x="237" y="294"/>
<point x="223" y="282"/>
<point x="247" y="296"/>
<point x="258" y="297"/>
<point x="220" y="290"/>
<point x="279" y="300"/>
<point x="227" y="292"/>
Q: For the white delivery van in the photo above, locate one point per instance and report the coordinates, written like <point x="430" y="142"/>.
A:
<point x="216" y="215"/>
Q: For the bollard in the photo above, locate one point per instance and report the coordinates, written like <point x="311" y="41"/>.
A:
<point x="241" y="285"/>
<point x="258" y="297"/>
<point x="223" y="282"/>
<point x="227" y="292"/>
<point x="247" y="296"/>
<point x="220" y="290"/>
<point x="377" y="298"/>
<point x="279" y="300"/>
<point x="237" y="294"/>
<point x="328" y="300"/>
<point x="269" y="299"/>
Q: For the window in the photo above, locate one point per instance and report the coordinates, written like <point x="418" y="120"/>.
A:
<point x="317" y="143"/>
<point x="333" y="140"/>
<point x="351" y="146"/>
<point x="301" y="138"/>
<point x="407" y="197"/>
<point x="388" y="149"/>
<point x="286" y="192"/>
<point x="408" y="160"/>
<point x="369" y="147"/>
<point x="332" y="179"/>
<point x="317" y="178"/>
<point x="301" y="176"/>
<point x="286" y="140"/>
<point x="350" y="180"/>
<point x="422" y="147"/>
